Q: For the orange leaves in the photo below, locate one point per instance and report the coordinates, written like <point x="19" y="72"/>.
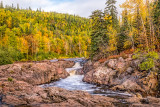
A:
<point x="34" y="33"/>
<point x="9" y="22"/>
<point x="23" y="45"/>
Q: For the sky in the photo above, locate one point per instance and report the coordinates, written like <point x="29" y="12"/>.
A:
<point x="82" y="8"/>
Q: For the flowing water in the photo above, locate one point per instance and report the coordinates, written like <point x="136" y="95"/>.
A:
<point x="74" y="82"/>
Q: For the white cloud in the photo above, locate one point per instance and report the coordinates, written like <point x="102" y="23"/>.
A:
<point x="79" y="7"/>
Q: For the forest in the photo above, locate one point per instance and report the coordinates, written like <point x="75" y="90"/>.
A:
<point x="27" y="35"/>
<point x="138" y="28"/>
<point x="37" y="35"/>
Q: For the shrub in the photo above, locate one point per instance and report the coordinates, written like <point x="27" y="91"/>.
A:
<point x="137" y="54"/>
<point x="149" y="61"/>
<point x="152" y="55"/>
<point x="10" y="79"/>
<point x="147" y="64"/>
<point x="5" y="57"/>
<point x="8" y="55"/>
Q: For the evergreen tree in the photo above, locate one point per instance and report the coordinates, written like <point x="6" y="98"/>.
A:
<point x="99" y="38"/>
<point x="1" y="5"/>
<point x="42" y="35"/>
<point x="17" y="6"/>
<point x="156" y="16"/>
<point x="112" y="11"/>
<point x="124" y="30"/>
<point x="12" y="6"/>
<point x="30" y="8"/>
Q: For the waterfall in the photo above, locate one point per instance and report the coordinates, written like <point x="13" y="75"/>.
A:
<point x="74" y="69"/>
<point x="77" y="65"/>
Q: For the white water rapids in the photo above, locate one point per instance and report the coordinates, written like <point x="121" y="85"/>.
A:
<point x="74" y="82"/>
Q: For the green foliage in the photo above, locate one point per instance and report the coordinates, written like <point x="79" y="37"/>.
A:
<point x="156" y="12"/>
<point x="103" y="36"/>
<point x="149" y="60"/>
<point x="36" y="35"/>
<point x="147" y="64"/>
<point x="99" y="37"/>
<point x="137" y="54"/>
<point x="153" y="55"/>
<point x="111" y="10"/>
<point x="10" y="79"/>
<point x="5" y="57"/>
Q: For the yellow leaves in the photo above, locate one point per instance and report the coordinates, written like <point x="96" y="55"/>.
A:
<point x="127" y="4"/>
<point x="5" y="41"/>
<point x="108" y="18"/>
<point x="127" y="44"/>
<point x="9" y="22"/>
<point x="2" y="15"/>
<point x="36" y="32"/>
<point x="23" y="45"/>
<point x="112" y="45"/>
<point x="46" y="43"/>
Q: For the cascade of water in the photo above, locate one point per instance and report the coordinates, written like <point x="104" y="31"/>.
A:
<point x="73" y="70"/>
<point x="74" y="82"/>
<point x="77" y="65"/>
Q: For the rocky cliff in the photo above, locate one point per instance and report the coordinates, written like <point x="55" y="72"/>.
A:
<point x="122" y="74"/>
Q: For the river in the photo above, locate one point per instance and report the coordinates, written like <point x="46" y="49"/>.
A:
<point x="74" y="82"/>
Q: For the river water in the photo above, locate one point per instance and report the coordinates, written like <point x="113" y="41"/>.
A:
<point x="74" y="82"/>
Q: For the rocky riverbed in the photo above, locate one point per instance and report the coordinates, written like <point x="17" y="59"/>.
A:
<point x="19" y="86"/>
<point x="121" y="74"/>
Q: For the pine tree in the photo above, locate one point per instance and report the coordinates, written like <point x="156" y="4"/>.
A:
<point x="124" y="30"/>
<point x="156" y="17"/>
<point x="17" y="6"/>
<point x="30" y="8"/>
<point x="12" y="6"/>
<point x="99" y="38"/>
<point x="112" y="11"/>
<point x="1" y="5"/>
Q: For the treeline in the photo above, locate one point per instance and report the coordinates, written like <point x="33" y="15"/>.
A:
<point x="36" y="35"/>
<point x="138" y="27"/>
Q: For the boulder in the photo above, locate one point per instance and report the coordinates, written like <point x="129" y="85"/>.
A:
<point x="18" y="87"/>
<point x="112" y="63"/>
<point x="36" y="73"/>
<point x="130" y="70"/>
<point x="128" y="85"/>
<point x="121" y="59"/>
<point x="123" y="74"/>
<point x="101" y="75"/>
<point x="19" y="93"/>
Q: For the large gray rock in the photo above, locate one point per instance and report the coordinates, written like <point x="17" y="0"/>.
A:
<point x="123" y="75"/>
<point x="36" y="73"/>
<point x="112" y="63"/>
<point x="101" y="75"/>
<point x="129" y="85"/>
<point x="20" y="93"/>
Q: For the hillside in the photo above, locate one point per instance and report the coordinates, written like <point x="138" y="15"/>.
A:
<point x="37" y="35"/>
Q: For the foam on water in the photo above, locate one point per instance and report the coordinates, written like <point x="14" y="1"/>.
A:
<point x="74" y="82"/>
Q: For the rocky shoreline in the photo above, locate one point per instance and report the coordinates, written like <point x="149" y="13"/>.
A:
<point x="123" y="74"/>
<point x="19" y="87"/>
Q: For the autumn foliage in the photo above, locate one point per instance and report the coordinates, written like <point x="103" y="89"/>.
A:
<point x="38" y="35"/>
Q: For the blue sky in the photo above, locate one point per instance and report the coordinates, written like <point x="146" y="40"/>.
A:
<point x="82" y="8"/>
